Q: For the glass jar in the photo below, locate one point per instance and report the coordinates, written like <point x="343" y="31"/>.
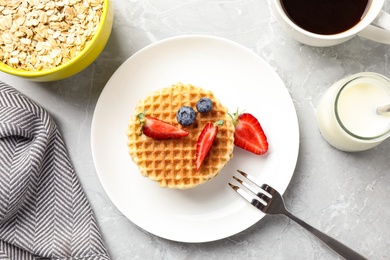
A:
<point x="347" y="112"/>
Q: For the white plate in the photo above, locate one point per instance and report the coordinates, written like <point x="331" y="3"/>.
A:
<point x="239" y="78"/>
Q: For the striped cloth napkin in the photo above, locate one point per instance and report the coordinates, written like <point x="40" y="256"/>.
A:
<point x="44" y="213"/>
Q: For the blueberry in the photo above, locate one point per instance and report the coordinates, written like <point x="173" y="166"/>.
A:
<point x="204" y="105"/>
<point x="186" y="115"/>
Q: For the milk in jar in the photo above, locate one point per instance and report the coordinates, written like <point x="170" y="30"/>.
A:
<point x="347" y="112"/>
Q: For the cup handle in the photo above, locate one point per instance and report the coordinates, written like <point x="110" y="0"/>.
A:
<point x="379" y="29"/>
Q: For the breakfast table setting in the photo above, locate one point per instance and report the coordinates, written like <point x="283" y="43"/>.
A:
<point x="75" y="79"/>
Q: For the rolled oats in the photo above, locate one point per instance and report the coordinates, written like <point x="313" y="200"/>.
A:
<point x="42" y="34"/>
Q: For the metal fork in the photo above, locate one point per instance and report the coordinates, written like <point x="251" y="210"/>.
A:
<point x="269" y="201"/>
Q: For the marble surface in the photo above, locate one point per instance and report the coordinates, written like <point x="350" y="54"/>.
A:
<point x="346" y="195"/>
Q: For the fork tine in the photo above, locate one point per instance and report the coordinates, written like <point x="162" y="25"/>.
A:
<point x="263" y="187"/>
<point x="268" y="188"/>
<point x="255" y="192"/>
<point x="256" y="203"/>
<point x="249" y="177"/>
<point x="241" y="192"/>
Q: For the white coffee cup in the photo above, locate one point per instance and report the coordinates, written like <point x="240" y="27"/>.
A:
<point x="375" y="25"/>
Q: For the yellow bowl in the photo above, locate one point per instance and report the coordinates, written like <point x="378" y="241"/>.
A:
<point x="91" y="51"/>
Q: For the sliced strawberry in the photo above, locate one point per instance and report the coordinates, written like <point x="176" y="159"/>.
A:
<point x="205" y="141"/>
<point x="249" y="134"/>
<point x="158" y="129"/>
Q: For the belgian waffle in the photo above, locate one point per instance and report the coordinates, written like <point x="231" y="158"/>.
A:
<point x="172" y="162"/>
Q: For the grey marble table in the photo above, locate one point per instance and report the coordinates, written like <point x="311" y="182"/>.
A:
<point x="346" y="195"/>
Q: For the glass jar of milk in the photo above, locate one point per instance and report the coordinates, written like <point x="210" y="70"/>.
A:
<point x="347" y="114"/>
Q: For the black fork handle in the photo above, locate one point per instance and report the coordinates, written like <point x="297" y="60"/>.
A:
<point x="335" y="245"/>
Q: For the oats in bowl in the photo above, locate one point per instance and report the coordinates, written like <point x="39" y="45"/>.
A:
<point x="37" y="35"/>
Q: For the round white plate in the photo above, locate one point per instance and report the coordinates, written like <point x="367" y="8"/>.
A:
<point x="240" y="79"/>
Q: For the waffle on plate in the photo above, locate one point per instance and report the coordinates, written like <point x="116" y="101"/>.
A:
<point x="171" y="162"/>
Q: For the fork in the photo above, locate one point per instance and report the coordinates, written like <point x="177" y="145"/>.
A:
<point x="269" y="201"/>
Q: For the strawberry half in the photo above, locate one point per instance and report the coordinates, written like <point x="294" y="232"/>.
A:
<point x="205" y="141"/>
<point x="158" y="129"/>
<point x="249" y="134"/>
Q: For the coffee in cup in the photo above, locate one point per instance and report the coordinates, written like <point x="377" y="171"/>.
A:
<point x="327" y="23"/>
<point x="325" y="17"/>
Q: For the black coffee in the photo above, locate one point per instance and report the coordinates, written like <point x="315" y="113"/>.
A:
<point x="325" y="16"/>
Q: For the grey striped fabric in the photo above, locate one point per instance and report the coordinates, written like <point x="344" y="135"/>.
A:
<point x="44" y="213"/>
